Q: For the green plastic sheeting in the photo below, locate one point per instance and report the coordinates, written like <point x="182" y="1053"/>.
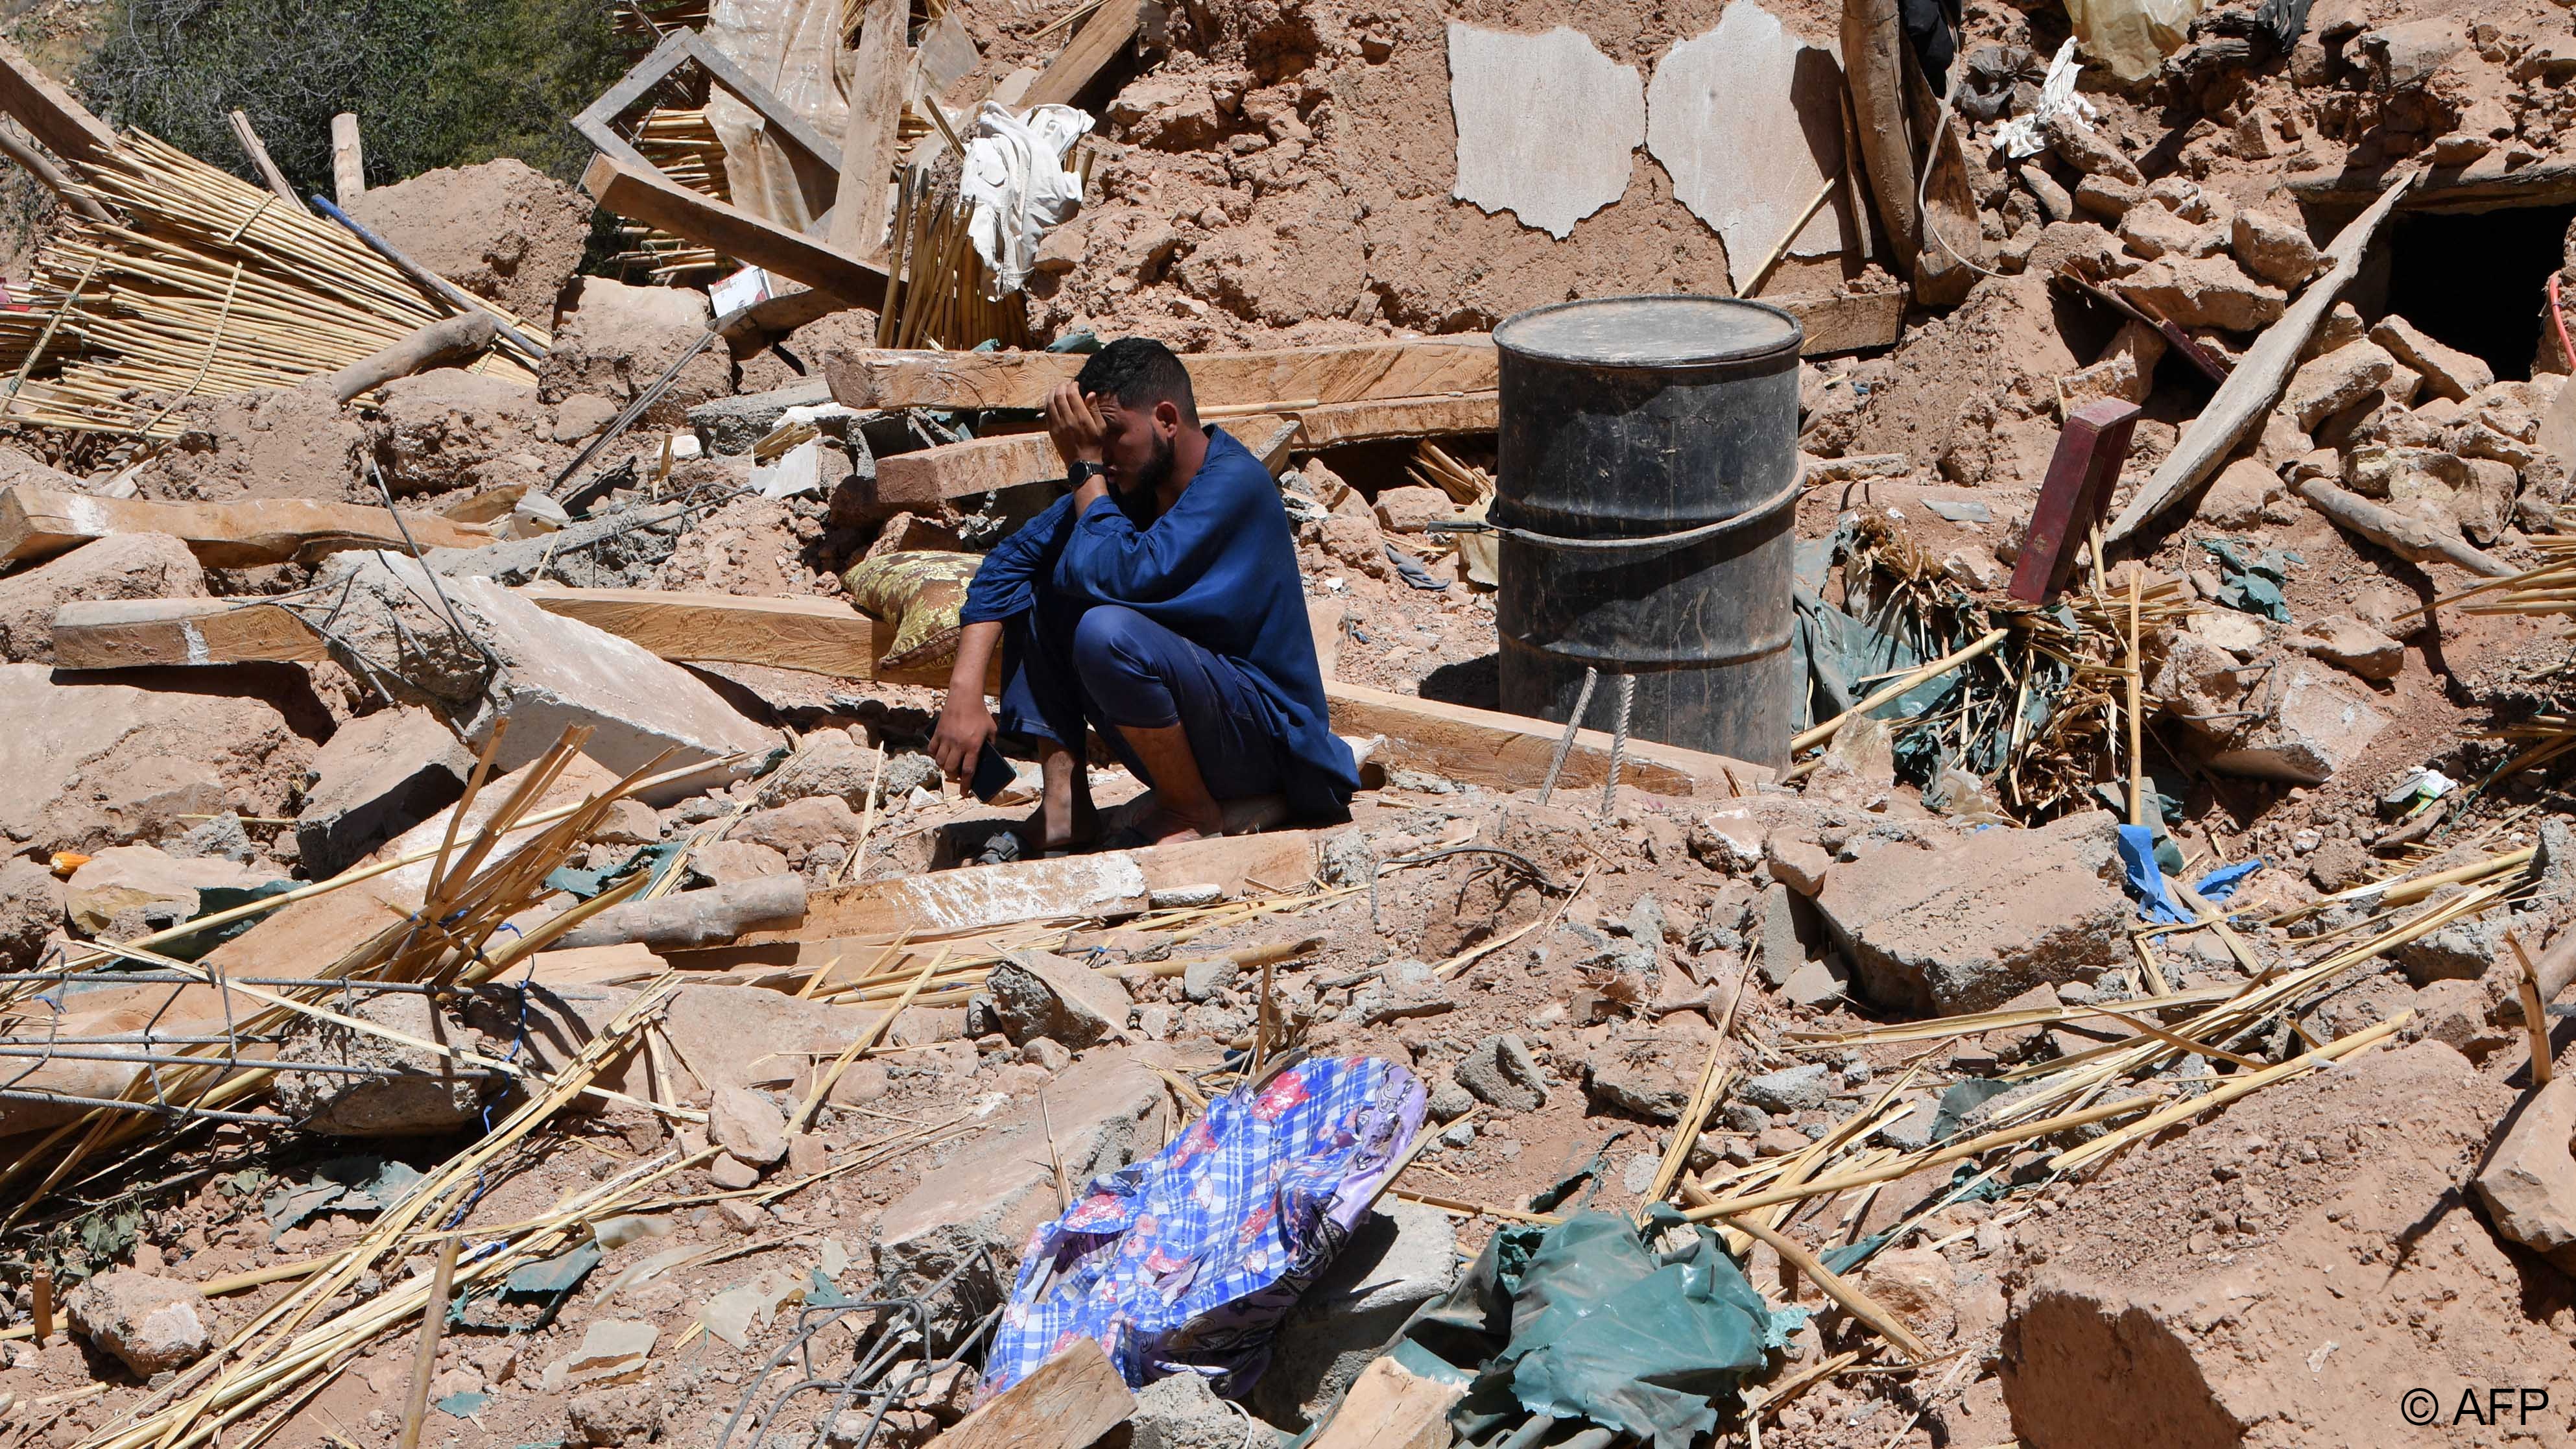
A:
<point x="1583" y="1320"/>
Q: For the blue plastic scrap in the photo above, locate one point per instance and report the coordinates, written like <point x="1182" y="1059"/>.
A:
<point x="2146" y="879"/>
<point x="1188" y="1262"/>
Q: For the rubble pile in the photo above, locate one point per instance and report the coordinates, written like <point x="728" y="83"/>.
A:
<point x="491" y="959"/>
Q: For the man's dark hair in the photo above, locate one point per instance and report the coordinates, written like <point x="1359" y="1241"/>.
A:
<point x="1139" y="372"/>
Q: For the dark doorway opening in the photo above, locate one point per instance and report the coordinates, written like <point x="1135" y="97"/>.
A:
<point x="2478" y="281"/>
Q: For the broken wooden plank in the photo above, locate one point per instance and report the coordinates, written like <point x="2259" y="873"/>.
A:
<point x="1109" y="884"/>
<point x="348" y="159"/>
<point x="40" y="522"/>
<point x="980" y="465"/>
<point x="1423" y="367"/>
<point x="646" y="195"/>
<point x="1067" y="1402"/>
<point x="2486" y="184"/>
<point x="30" y="97"/>
<point x="819" y="636"/>
<point x="257" y="151"/>
<point x="1874" y="72"/>
<point x="2251" y="390"/>
<point x="864" y="207"/>
<point x="1390" y="1407"/>
<point x="1511" y="752"/>
<point x="1840" y="322"/>
<point x="136" y="633"/>
<point x="1108" y="32"/>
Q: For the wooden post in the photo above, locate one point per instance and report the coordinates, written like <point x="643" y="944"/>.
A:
<point x="258" y="153"/>
<point x="424" y="1366"/>
<point x="348" y="159"/>
<point x="865" y="205"/>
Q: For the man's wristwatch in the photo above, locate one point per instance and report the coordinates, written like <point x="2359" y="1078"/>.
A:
<point x="1081" y="473"/>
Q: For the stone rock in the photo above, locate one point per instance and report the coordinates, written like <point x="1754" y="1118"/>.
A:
<point x="617" y="1415"/>
<point x="1038" y="993"/>
<point x="2093" y="154"/>
<point x="1106" y="1111"/>
<point x="731" y="1173"/>
<point x="1353" y="540"/>
<point x="1728" y="840"/>
<point x="153" y="1324"/>
<point x="1180" y="1411"/>
<point x="552" y="673"/>
<point x="31" y="911"/>
<point x="831" y="764"/>
<point x="447" y="428"/>
<point x="746" y="1124"/>
<point x="1747" y="120"/>
<point x="222" y="838"/>
<point x="1502" y="1074"/>
<point x="1791" y="1089"/>
<point x="796" y="830"/>
<point x="1046" y="1055"/>
<point x="1783" y="952"/>
<point x="122" y="566"/>
<point x="1798" y="864"/>
<point x="1913" y="1131"/>
<point x="2458" y="1015"/>
<point x="502" y="230"/>
<point x="2105" y="196"/>
<point x="2205" y="292"/>
<point x="2346" y="643"/>
<point x="1648" y="1077"/>
<point x="1450" y="1101"/>
<point x="1207" y="980"/>
<point x="2464" y="950"/>
<point x="2311" y="724"/>
<point x="376" y="777"/>
<point x="2236" y="499"/>
<point x="1399" y="1257"/>
<point x="2152" y="231"/>
<point x="289" y="443"/>
<point x="628" y="822"/>
<point x="1547" y="125"/>
<point x="1912" y="1283"/>
<point x="2339" y="865"/>
<point x="102" y="760"/>
<point x="725" y="862"/>
<point x="1977" y="921"/>
<point x="126" y="891"/>
<point x="2275" y="249"/>
<point x="2390" y="610"/>
<point x="1816" y="982"/>
<point x="729" y="426"/>
<point x="421" y="1093"/>
<point x="2529" y="1182"/>
<point x="2447" y="371"/>
<point x="1413" y="509"/>
<point x="2327" y="385"/>
<point x="582" y="417"/>
<point x="2345" y="1198"/>
<point x="618" y="340"/>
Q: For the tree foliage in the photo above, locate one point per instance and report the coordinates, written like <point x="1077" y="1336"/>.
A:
<point x="433" y="82"/>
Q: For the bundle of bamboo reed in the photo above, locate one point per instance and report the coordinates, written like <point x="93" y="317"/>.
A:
<point x="683" y="143"/>
<point x="938" y="292"/>
<point x="204" y="285"/>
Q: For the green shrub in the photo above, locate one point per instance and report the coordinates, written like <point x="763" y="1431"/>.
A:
<point x="433" y="82"/>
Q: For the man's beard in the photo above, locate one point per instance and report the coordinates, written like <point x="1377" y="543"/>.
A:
<point x="1142" y="499"/>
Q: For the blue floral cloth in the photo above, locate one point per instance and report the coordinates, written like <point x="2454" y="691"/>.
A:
<point x="1188" y="1261"/>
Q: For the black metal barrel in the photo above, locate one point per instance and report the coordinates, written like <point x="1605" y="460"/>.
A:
<point x="1648" y="484"/>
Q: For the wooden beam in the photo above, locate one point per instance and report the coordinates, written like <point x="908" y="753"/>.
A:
<point x="259" y="159"/>
<point x="1840" y="322"/>
<point x="1387" y="1407"/>
<point x="348" y="159"/>
<point x="2486" y="184"/>
<point x="1100" y="40"/>
<point x="819" y="636"/>
<point x="864" y="207"/>
<point x="133" y="633"/>
<point x="46" y="109"/>
<point x="962" y="470"/>
<point x="41" y="522"/>
<point x="1108" y="884"/>
<point x="1510" y="751"/>
<point x="1068" y="1402"/>
<point x="642" y="194"/>
<point x="910" y="378"/>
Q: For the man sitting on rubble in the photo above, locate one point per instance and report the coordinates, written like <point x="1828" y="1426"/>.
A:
<point x="1160" y="603"/>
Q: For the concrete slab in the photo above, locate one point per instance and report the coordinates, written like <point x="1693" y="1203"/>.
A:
<point x="1714" y="119"/>
<point x="1546" y="124"/>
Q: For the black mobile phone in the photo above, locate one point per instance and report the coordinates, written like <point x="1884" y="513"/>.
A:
<point x="993" y="774"/>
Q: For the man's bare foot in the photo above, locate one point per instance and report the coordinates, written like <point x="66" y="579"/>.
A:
<point x="1047" y="829"/>
<point x="1167" y="827"/>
